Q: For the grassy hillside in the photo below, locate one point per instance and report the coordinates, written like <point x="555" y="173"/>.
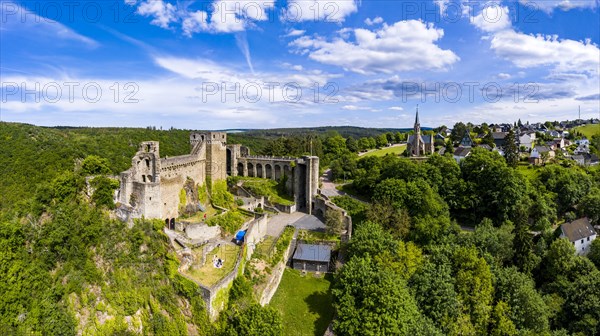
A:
<point x="304" y="303"/>
<point x="589" y="130"/>
<point x="395" y="150"/>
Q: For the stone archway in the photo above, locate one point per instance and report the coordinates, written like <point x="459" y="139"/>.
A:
<point x="259" y="170"/>
<point x="250" y="169"/>
<point x="240" y="169"/>
<point x="277" y="172"/>
<point x="268" y="171"/>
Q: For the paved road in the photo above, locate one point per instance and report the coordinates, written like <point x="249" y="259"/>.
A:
<point x="278" y="222"/>
<point x="298" y="219"/>
<point x="309" y="222"/>
<point x="328" y="188"/>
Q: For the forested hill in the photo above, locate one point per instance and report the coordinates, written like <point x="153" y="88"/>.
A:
<point x="30" y="155"/>
<point x="345" y="131"/>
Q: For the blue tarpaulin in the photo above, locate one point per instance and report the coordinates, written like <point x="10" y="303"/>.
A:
<point x="240" y="235"/>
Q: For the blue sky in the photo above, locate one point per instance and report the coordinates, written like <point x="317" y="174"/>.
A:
<point x="286" y="63"/>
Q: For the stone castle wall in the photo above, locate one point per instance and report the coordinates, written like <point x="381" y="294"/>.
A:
<point x="151" y="187"/>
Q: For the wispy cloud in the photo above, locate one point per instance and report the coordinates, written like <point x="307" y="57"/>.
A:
<point x="242" y="42"/>
<point x="19" y="20"/>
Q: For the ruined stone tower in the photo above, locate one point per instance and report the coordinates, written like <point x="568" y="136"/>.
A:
<point x="215" y="147"/>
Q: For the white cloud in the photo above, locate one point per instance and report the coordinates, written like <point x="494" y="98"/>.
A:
<point x="376" y="20"/>
<point x="179" y="97"/>
<point x="550" y="5"/>
<point x="396" y="108"/>
<point x="295" y="32"/>
<point x="527" y="51"/>
<point x="403" y="46"/>
<point x="226" y="16"/>
<point x="503" y="75"/>
<point x="350" y="108"/>
<point x="319" y="10"/>
<point x="234" y="16"/>
<point x="163" y="13"/>
<point x="195" y="22"/>
<point x="492" y="19"/>
<point x="530" y="51"/>
<point x="15" y="18"/>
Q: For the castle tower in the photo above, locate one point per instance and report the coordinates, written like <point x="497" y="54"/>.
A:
<point x="215" y="144"/>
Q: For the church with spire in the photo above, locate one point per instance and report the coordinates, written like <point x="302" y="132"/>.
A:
<point x="417" y="144"/>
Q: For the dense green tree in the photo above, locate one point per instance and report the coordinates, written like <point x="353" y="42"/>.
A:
<point x="382" y="140"/>
<point x="511" y="151"/>
<point x="498" y="242"/>
<point x="524" y="257"/>
<point x="253" y="320"/>
<point x="370" y="238"/>
<point x="433" y="289"/>
<point x="372" y="300"/>
<point x="501" y="324"/>
<point x="458" y="132"/>
<point x="334" y="221"/>
<point x="499" y="189"/>
<point x="449" y="148"/>
<point x="95" y="165"/>
<point x="395" y="220"/>
<point x="581" y="312"/>
<point x="590" y="206"/>
<point x="352" y="145"/>
<point x="570" y="184"/>
<point x="104" y="189"/>
<point x="474" y="286"/>
<point x="488" y="139"/>
<point x="560" y="259"/>
<point x="527" y="308"/>
<point x="399" y="137"/>
<point x="594" y="254"/>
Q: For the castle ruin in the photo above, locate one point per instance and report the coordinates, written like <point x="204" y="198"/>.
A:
<point x="151" y="187"/>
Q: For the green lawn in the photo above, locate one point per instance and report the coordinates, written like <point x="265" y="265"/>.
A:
<point x="395" y="150"/>
<point x="529" y="171"/>
<point x="207" y="274"/>
<point x="268" y="188"/>
<point x="589" y="130"/>
<point x="304" y="303"/>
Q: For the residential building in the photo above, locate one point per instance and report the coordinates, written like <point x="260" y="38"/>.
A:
<point x="580" y="233"/>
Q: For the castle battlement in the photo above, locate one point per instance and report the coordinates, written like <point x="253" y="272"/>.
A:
<point x="152" y="186"/>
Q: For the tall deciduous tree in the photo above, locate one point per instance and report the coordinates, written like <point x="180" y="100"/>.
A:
<point x="511" y="150"/>
<point x="373" y="300"/>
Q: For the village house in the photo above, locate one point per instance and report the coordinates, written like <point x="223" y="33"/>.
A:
<point x="580" y="233"/>
<point x="541" y="154"/>
<point x="580" y="159"/>
<point x="499" y="138"/>
<point x="461" y="153"/>
<point x="527" y="140"/>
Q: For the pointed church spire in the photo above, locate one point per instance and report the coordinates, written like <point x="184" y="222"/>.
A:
<point x="417" y="117"/>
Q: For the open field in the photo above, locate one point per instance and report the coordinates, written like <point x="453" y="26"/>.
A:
<point x="394" y="150"/>
<point x="304" y="303"/>
<point x="529" y="171"/>
<point x="207" y="274"/>
<point x="589" y="130"/>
